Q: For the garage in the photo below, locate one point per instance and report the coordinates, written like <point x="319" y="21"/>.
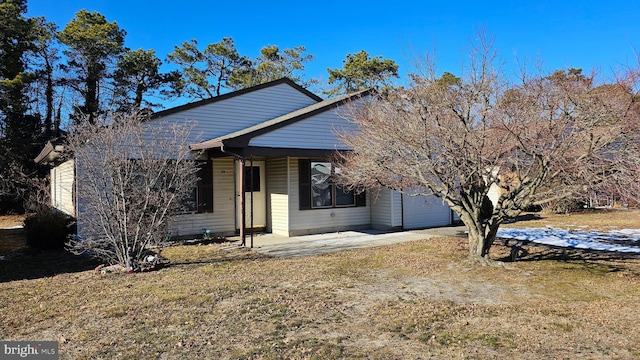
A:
<point x="424" y="211"/>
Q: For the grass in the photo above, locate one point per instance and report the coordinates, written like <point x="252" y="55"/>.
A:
<point x="410" y="300"/>
<point x="600" y="219"/>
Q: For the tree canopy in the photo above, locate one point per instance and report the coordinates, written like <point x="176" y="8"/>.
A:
<point x="138" y="74"/>
<point x="360" y="72"/>
<point x="94" y="43"/>
<point x="273" y="64"/>
<point x="19" y="130"/>
<point x="206" y="73"/>
<point x="220" y="67"/>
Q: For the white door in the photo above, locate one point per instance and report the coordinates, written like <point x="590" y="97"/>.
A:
<point x="256" y="199"/>
<point x="424" y="211"/>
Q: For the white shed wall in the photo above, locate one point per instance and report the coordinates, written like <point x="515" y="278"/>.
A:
<point x="62" y="187"/>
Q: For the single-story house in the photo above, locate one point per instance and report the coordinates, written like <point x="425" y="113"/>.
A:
<point x="274" y="140"/>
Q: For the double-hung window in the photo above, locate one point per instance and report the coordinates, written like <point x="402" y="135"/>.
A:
<point x="319" y="191"/>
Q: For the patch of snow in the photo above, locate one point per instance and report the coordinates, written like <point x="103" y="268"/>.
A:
<point x="624" y="240"/>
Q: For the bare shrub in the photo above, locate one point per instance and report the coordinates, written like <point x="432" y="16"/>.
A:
<point x="132" y="177"/>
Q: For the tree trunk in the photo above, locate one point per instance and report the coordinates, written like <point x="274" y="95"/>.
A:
<point x="48" y="118"/>
<point x="482" y="235"/>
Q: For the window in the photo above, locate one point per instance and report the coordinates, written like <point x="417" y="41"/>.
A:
<point x="318" y="191"/>
<point x="252" y="177"/>
<point x="321" y="187"/>
<point x="201" y="199"/>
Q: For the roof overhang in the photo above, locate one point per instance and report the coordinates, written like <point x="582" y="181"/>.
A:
<point x="209" y="144"/>
<point x="51" y="152"/>
<point x="247" y="152"/>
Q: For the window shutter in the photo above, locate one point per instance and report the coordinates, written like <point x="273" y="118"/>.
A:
<point x="205" y="187"/>
<point x="361" y="199"/>
<point x="304" y="184"/>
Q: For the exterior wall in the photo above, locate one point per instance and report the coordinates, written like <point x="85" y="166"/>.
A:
<point x="386" y="209"/>
<point x="62" y="187"/>
<point x="239" y="112"/>
<point x="396" y="208"/>
<point x="315" y="132"/>
<point x="322" y="220"/>
<point x="222" y="220"/>
<point x="278" y="195"/>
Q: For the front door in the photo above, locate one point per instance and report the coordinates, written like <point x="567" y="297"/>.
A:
<point x="255" y="201"/>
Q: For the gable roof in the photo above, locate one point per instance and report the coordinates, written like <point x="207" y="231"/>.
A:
<point x="242" y="137"/>
<point x="233" y="94"/>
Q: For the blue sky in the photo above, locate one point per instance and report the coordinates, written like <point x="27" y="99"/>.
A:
<point x="584" y="34"/>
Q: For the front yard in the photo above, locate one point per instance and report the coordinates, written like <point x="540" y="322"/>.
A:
<point x="411" y="300"/>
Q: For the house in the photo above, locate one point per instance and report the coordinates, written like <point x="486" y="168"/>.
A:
<point x="274" y="140"/>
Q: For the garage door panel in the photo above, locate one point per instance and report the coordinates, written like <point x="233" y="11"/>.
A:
<point x="424" y="211"/>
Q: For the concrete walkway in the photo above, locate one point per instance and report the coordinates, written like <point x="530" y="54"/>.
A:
<point x="309" y="245"/>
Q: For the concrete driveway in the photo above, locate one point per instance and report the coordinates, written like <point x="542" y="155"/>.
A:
<point x="309" y="245"/>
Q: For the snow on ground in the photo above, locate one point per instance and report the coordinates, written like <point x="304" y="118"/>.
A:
<point x="625" y="240"/>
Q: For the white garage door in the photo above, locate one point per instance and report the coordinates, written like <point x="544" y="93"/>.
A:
<point x="424" y="211"/>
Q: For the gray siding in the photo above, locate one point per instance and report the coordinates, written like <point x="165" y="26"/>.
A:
<point x="322" y="220"/>
<point x="226" y="116"/>
<point x="386" y="209"/>
<point x="222" y="220"/>
<point x="315" y="132"/>
<point x="62" y="187"/>
<point x="396" y="208"/>
<point x="278" y="196"/>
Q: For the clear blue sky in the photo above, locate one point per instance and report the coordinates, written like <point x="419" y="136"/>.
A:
<point x="583" y="34"/>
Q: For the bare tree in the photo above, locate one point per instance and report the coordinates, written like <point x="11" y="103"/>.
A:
<point x="462" y="139"/>
<point x="132" y="177"/>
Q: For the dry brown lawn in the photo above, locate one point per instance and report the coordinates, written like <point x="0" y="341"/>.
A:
<point x="11" y="239"/>
<point x="416" y="300"/>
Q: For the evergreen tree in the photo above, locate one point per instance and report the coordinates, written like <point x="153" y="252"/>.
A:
<point x="137" y="75"/>
<point x="273" y="64"/>
<point x="94" y="44"/>
<point x="360" y="72"/>
<point x="18" y="130"/>
<point x="44" y="59"/>
<point x="205" y="73"/>
<point x="15" y="41"/>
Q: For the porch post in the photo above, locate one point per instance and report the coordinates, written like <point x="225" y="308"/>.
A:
<point x="251" y="184"/>
<point x="242" y="199"/>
